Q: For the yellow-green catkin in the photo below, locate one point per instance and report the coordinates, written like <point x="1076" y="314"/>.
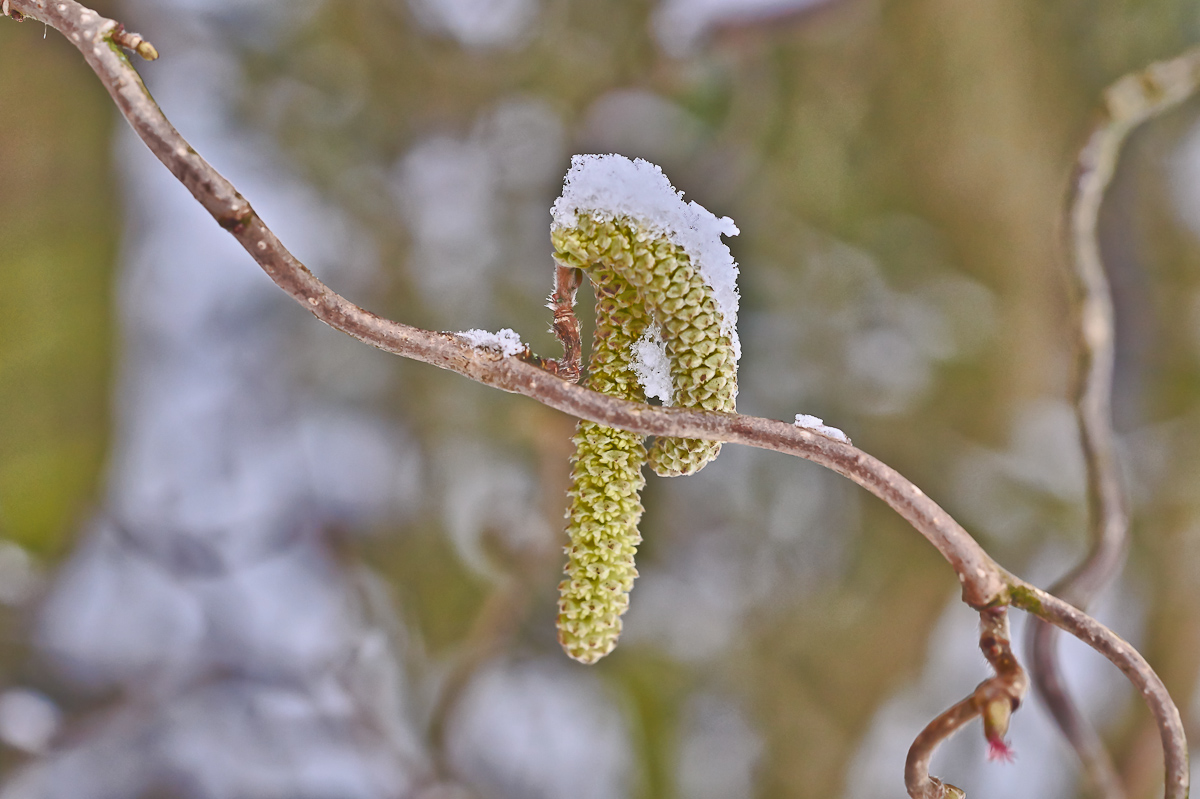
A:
<point x="639" y="278"/>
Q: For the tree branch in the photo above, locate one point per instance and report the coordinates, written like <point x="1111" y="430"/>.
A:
<point x="985" y="585"/>
<point x="1129" y="102"/>
<point x="1125" y="657"/>
<point x="977" y="572"/>
<point x="995" y="699"/>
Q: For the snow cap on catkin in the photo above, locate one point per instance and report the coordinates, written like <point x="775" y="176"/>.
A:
<point x="611" y="186"/>
<point x="666" y="327"/>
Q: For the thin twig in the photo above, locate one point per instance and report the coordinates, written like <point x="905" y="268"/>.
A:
<point x="985" y="584"/>
<point x="995" y="699"/>
<point x="566" y="324"/>
<point x="1129" y="102"/>
<point x="917" y="779"/>
<point x="134" y="42"/>
<point x="565" y="327"/>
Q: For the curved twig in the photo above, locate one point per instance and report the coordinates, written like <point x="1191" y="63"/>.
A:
<point x="1125" y="657"/>
<point x="1129" y="102"/>
<point x="985" y="585"/>
<point x="917" y="779"/>
<point x="565" y="326"/>
<point x="995" y="699"/>
<point x="494" y="625"/>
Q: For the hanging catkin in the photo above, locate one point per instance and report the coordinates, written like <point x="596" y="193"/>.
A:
<point x="640" y="278"/>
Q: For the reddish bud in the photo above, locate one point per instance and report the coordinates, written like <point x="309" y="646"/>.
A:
<point x="999" y="750"/>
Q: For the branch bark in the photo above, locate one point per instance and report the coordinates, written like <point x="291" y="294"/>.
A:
<point x="985" y="585"/>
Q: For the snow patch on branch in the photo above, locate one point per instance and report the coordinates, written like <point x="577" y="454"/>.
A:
<point x="818" y="426"/>
<point x="609" y="186"/>
<point x="506" y="341"/>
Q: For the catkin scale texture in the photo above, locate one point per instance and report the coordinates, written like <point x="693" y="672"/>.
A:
<point x="606" y="485"/>
<point x="639" y="278"/>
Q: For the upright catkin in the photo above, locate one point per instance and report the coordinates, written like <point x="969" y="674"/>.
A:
<point x="639" y="277"/>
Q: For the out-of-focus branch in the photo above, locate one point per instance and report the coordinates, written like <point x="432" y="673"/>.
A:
<point x="134" y="42"/>
<point x="995" y="699"/>
<point x="985" y="585"/>
<point x="1129" y="102"/>
<point x="493" y="627"/>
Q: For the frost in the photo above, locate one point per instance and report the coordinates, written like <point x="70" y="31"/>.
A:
<point x="506" y="341"/>
<point x="651" y="366"/>
<point x="818" y="426"/>
<point x="609" y="186"/>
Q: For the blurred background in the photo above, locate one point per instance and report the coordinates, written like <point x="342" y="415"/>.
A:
<point x="245" y="557"/>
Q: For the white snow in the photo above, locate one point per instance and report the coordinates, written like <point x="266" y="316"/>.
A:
<point x="651" y="366"/>
<point x="506" y="341"/>
<point x="608" y="186"/>
<point x="818" y="426"/>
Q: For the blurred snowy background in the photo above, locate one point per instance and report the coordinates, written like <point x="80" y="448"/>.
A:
<point x="244" y="557"/>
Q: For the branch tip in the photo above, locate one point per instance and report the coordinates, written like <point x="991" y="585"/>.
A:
<point x="995" y="700"/>
<point x="134" y="42"/>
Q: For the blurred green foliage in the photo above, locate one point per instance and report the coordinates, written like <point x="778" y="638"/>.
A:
<point x="59" y="227"/>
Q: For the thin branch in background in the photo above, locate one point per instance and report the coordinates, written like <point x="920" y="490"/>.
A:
<point x="497" y="622"/>
<point x="1129" y="102"/>
<point x="995" y="700"/>
<point x="492" y="629"/>
<point x="985" y="585"/>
